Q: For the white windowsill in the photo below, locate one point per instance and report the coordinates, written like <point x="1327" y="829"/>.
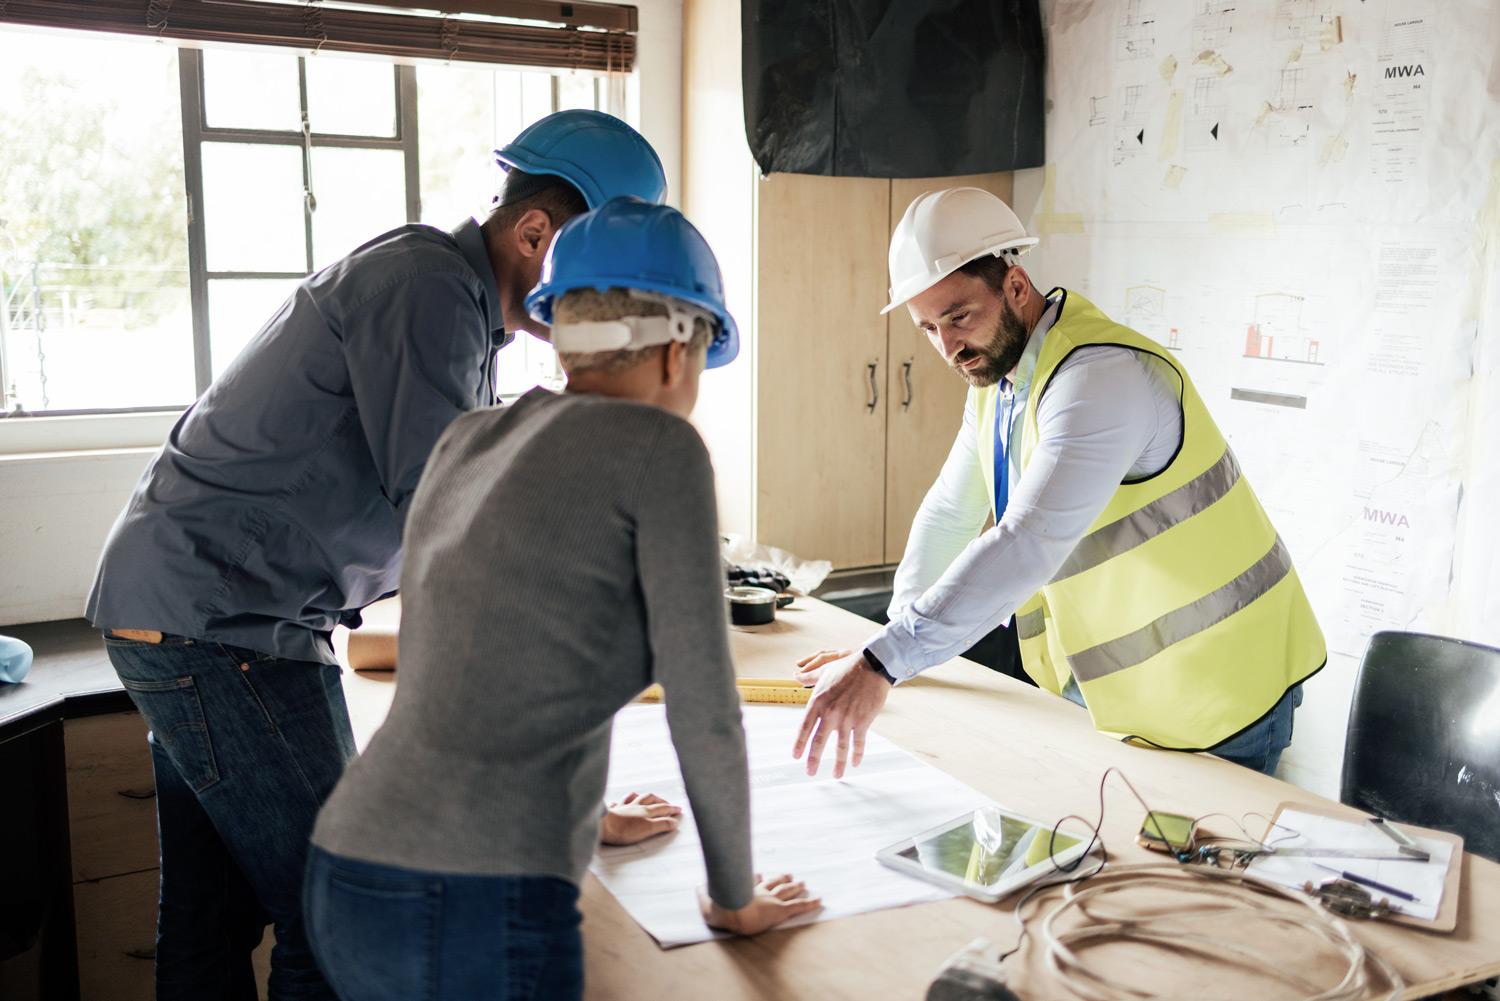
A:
<point x="60" y="437"/>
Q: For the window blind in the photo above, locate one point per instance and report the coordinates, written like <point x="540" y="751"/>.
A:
<point x="586" y="36"/>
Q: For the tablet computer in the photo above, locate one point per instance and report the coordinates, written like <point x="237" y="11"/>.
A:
<point x="986" y="854"/>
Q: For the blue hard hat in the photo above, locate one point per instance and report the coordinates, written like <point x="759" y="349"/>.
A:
<point x="598" y="154"/>
<point x="633" y="244"/>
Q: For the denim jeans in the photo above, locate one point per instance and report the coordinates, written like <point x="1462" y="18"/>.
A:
<point x="1259" y="747"/>
<point x="384" y="933"/>
<point x="246" y="747"/>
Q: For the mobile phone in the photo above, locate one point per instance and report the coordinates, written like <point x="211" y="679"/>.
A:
<point x="1166" y="832"/>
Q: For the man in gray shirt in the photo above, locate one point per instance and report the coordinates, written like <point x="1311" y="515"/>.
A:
<point x="562" y="554"/>
<point x="274" y="512"/>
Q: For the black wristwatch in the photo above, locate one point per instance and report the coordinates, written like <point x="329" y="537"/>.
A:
<point x="878" y="667"/>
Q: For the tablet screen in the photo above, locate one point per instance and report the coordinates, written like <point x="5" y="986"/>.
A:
<point x="991" y="847"/>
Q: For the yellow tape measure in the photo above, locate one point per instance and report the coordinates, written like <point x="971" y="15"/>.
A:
<point x="782" y="690"/>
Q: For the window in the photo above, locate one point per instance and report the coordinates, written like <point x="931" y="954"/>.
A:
<point x="157" y="204"/>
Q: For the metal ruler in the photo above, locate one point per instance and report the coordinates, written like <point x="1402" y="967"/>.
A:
<point x="1388" y="854"/>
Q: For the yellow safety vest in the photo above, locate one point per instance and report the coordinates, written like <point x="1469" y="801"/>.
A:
<point x="1179" y="612"/>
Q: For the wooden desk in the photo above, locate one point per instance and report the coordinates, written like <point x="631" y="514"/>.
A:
<point x="1031" y="751"/>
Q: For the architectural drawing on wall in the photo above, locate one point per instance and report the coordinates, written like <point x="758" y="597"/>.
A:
<point x="1130" y="127"/>
<point x="1403" y="81"/>
<point x="1098" y="110"/>
<point x="1303" y="20"/>
<point x="1205" y="113"/>
<point x="1135" y="36"/>
<point x="1277" y="333"/>
<point x="1293" y="105"/>
<point x="1213" y="23"/>
<point x="1145" y="312"/>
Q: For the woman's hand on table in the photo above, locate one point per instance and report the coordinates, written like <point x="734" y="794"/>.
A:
<point x="777" y="899"/>
<point x="636" y="818"/>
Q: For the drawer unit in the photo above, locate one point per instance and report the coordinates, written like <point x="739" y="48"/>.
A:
<point x="111" y="795"/>
<point x="115" y="920"/>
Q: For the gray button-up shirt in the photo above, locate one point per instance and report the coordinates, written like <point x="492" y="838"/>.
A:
<point x="274" y="509"/>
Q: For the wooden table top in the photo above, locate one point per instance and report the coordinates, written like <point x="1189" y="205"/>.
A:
<point x="1036" y="754"/>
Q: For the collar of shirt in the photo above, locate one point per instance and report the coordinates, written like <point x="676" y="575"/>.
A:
<point x="1020" y="386"/>
<point x="470" y="240"/>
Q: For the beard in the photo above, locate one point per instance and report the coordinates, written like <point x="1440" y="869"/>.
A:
<point x="1000" y="353"/>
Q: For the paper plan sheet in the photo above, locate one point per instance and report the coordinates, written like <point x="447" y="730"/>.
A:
<point x="824" y="832"/>
<point x="1423" y="880"/>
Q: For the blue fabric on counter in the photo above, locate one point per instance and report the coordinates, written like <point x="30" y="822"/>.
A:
<point x="274" y="510"/>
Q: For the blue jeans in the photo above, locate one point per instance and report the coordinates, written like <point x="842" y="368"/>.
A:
<point x="388" y="934"/>
<point x="246" y="747"/>
<point x="1259" y="747"/>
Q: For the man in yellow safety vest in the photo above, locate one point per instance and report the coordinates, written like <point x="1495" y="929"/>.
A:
<point x="1145" y="579"/>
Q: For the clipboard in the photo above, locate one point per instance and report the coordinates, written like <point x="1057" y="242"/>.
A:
<point x="1447" y="916"/>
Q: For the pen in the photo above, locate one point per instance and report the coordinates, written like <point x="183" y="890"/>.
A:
<point x="1372" y="884"/>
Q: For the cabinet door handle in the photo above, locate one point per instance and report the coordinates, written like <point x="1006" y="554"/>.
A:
<point x="874" y="388"/>
<point x="137" y="793"/>
<point x="907" y="367"/>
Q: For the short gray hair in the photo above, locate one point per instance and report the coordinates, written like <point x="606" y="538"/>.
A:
<point x="589" y="305"/>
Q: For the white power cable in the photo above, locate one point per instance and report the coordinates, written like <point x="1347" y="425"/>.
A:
<point x="1232" y="896"/>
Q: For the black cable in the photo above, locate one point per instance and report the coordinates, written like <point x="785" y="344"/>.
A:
<point x="1096" y="837"/>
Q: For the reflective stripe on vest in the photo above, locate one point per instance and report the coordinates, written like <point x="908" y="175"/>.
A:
<point x="1153" y="519"/>
<point x="1179" y="612"/>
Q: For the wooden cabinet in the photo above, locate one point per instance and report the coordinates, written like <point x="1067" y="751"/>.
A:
<point x="833" y="423"/>
<point x="115" y="858"/>
<point x="112" y="832"/>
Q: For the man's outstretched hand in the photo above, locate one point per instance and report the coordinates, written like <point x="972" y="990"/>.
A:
<point x="848" y="696"/>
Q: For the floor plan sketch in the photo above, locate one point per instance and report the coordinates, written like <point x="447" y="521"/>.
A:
<point x="1303" y="20"/>
<point x="1205" y="115"/>
<point x="1130" y="127"/>
<point x="1213" y="24"/>
<point x="1135" y="37"/>
<point x="1293" y="106"/>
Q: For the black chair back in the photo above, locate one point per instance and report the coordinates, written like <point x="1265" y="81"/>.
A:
<point x="1423" y="743"/>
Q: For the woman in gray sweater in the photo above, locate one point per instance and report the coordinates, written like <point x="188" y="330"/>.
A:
<point x="560" y="555"/>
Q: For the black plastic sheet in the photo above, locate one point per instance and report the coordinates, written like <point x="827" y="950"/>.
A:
<point x="893" y="88"/>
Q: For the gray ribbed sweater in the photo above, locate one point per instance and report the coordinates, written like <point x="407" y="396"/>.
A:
<point x="560" y="555"/>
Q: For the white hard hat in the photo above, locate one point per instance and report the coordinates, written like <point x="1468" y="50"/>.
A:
<point x="944" y="230"/>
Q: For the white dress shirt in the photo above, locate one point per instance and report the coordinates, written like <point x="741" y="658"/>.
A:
<point x="1109" y="414"/>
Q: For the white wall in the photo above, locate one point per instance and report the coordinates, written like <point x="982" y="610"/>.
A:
<point x="55" y="511"/>
<point x="56" y="506"/>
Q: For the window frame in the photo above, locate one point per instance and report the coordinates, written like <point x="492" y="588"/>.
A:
<point x="88" y="429"/>
<point x="196" y="131"/>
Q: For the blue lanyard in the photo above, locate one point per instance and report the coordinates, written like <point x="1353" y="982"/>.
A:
<point x="1002" y="455"/>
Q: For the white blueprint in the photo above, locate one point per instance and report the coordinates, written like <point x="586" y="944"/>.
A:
<point x="821" y="830"/>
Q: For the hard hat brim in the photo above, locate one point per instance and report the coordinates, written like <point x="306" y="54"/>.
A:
<point x="912" y="289"/>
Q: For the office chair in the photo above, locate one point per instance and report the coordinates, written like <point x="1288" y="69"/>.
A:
<point x="1423" y="744"/>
